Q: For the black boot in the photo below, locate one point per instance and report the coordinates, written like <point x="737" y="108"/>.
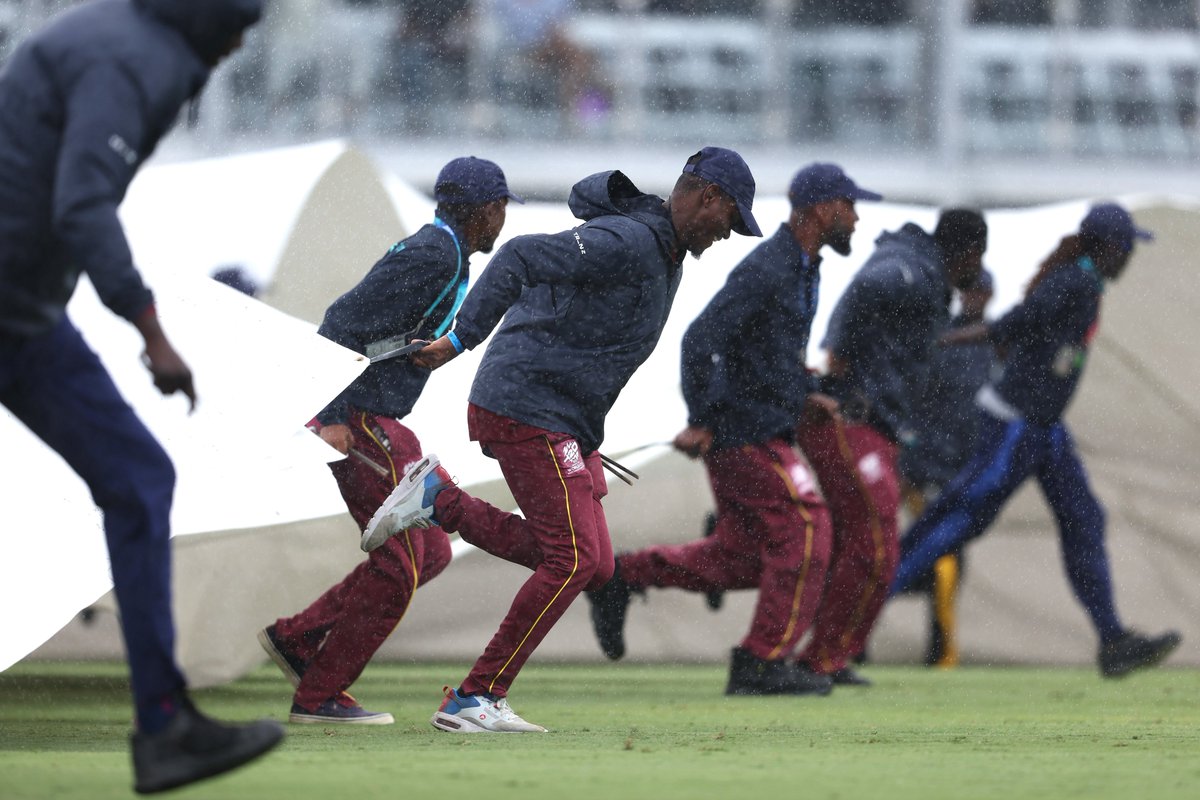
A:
<point x="750" y="675"/>
<point x="609" y="604"/>
<point x="193" y="747"/>
<point x="1135" y="651"/>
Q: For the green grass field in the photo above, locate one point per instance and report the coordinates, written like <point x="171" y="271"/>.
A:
<point x="631" y="731"/>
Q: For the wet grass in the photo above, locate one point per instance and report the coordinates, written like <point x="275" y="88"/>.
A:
<point x="635" y="731"/>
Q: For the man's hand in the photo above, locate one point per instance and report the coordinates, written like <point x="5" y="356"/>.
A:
<point x="693" y="441"/>
<point x="170" y="372"/>
<point x="338" y="436"/>
<point x="435" y="355"/>
<point x="819" y="409"/>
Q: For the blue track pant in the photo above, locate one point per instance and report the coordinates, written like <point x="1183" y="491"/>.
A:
<point x="57" y="386"/>
<point x="1006" y="454"/>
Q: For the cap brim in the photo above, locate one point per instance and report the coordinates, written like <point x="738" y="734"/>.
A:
<point x="865" y="194"/>
<point x="747" y="225"/>
<point x="511" y="195"/>
<point x="1143" y="234"/>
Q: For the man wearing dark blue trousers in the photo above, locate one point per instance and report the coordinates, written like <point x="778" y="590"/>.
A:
<point x="82" y="105"/>
<point x="1022" y="434"/>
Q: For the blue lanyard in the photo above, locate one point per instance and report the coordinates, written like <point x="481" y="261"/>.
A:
<point x="459" y="278"/>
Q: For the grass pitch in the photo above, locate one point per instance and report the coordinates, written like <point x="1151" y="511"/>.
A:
<point x="633" y="731"/>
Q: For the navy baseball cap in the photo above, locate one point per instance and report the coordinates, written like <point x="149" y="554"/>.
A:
<point x="1110" y="222"/>
<point x="473" y="181"/>
<point x="820" y="183"/>
<point x="728" y="170"/>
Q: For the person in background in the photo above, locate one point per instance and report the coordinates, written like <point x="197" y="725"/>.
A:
<point x="747" y="386"/>
<point x="83" y="104"/>
<point x="582" y="309"/>
<point x="1022" y="433"/>
<point x="413" y="291"/>
<point x="879" y="340"/>
<point x="946" y="426"/>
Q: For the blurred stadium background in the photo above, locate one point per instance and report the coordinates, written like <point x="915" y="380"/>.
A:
<point x="995" y="102"/>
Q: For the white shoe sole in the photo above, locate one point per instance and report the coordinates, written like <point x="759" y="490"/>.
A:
<point x="384" y="524"/>
<point x="452" y="724"/>
<point x="276" y="656"/>
<point x="382" y="718"/>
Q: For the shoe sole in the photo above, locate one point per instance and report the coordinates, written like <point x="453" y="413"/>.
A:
<point x="265" y="642"/>
<point x="376" y="533"/>
<point x="452" y="724"/>
<point x="381" y="718"/>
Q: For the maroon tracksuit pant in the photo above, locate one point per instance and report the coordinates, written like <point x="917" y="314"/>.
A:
<point x="340" y="632"/>
<point x="856" y="466"/>
<point x="773" y="534"/>
<point x="562" y="536"/>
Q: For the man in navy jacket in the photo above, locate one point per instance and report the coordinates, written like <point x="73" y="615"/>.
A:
<point x="747" y="386"/>
<point x="83" y="103"/>
<point x="582" y="310"/>
<point x="414" y="291"/>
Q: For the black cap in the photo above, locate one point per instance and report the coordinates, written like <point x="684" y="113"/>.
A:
<point x="728" y="170"/>
<point x="473" y="181"/>
<point x="1110" y="222"/>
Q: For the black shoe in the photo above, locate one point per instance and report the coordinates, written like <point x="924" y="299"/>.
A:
<point x="848" y="677"/>
<point x="750" y="675"/>
<point x="290" y="664"/>
<point x="609" y="604"/>
<point x="1134" y="651"/>
<point x="715" y="598"/>
<point x="193" y="747"/>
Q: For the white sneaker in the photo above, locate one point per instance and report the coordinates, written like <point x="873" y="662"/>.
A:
<point x="410" y="505"/>
<point x="479" y="713"/>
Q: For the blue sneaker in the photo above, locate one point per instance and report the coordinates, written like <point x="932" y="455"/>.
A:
<point x="340" y="710"/>
<point x="479" y="713"/>
<point x="291" y="665"/>
<point x="410" y="505"/>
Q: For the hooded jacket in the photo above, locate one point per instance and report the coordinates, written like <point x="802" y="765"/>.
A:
<point x="883" y="328"/>
<point x="83" y="103"/>
<point x="582" y="310"/>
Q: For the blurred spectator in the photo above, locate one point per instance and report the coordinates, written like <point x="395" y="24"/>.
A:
<point x="428" y="61"/>
<point x="536" y="32"/>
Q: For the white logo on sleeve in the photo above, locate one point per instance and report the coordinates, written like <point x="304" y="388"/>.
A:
<point x="802" y="479"/>
<point x="122" y="148"/>
<point x="870" y="467"/>
<point x="569" y="457"/>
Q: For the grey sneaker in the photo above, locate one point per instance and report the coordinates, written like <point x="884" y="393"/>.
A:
<point x="193" y="747"/>
<point x="410" y="505"/>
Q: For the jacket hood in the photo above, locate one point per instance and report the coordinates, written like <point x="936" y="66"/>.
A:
<point x="207" y="25"/>
<point x="608" y="193"/>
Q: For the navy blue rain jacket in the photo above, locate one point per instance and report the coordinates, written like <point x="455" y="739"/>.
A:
<point x="1047" y="337"/>
<point x="745" y="373"/>
<point x="947" y="418"/>
<point x="83" y="103"/>
<point x="582" y="310"/>
<point x="883" y="327"/>
<point x="417" y="279"/>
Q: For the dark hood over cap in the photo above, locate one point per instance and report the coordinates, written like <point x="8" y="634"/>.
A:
<point x="208" y="25"/>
